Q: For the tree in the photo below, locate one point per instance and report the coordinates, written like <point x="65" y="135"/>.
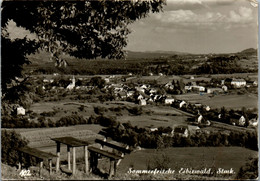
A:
<point x="249" y="170"/>
<point x="11" y="141"/>
<point x="83" y="29"/>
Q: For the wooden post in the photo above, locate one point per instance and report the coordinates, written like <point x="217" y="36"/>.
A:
<point x="28" y="161"/>
<point x="73" y="160"/>
<point x="115" y="166"/>
<point x="20" y="161"/>
<point x="50" y="164"/>
<point x="41" y="165"/>
<point x="19" y="166"/>
<point x="86" y="159"/>
<point x="111" y="170"/>
<point x="91" y="162"/>
<point x="118" y="162"/>
<point x="68" y="149"/>
<point x="58" y="157"/>
<point x="95" y="161"/>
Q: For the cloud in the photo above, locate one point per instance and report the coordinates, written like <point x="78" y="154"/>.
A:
<point x="184" y="4"/>
<point x="241" y="16"/>
<point x="244" y="15"/>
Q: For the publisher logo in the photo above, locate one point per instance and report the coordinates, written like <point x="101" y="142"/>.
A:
<point x="25" y="173"/>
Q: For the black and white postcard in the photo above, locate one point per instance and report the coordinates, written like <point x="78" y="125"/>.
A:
<point x="129" y="90"/>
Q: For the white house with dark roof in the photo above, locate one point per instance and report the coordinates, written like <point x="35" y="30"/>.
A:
<point x="238" y="83"/>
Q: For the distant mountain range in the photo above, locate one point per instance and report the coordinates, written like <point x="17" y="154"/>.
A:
<point x="42" y="56"/>
<point x="152" y="54"/>
<point x="249" y="51"/>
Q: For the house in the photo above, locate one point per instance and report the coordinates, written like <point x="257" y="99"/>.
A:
<point x="252" y="83"/>
<point x="181" y="130"/>
<point x="139" y="89"/>
<point x="238" y="120"/>
<point x="187" y="88"/>
<point x="197" y="104"/>
<point x="224" y="88"/>
<point x="169" y="100"/>
<point x="20" y="111"/>
<point x="144" y="86"/>
<point x="214" y="90"/>
<point x="122" y="95"/>
<point x="130" y="93"/>
<point x="182" y="104"/>
<point x="253" y="120"/>
<point x="237" y="83"/>
<point x="153" y="129"/>
<point x="142" y="102"/>
<point x="72" y="84"/>
<point x="199" y="118"/>
<point x="140" y="97"/>
<point x="106" y="80"/>
<point x="169" y="85"/>
<point x="198" y="88"/>
<point x="242" y="121"/>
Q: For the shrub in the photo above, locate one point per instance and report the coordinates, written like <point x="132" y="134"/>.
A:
<point x="249" y="170"/>
<point x="138" y="110"/>
<point x="100" y="110"/>
<point x="11" y="141"/>
<point x="70" y="120"/>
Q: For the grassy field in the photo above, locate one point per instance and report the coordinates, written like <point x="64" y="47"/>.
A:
<point x="152" y="115"/>
<point x="218" y="101"/>
<point x="190" y="157"/>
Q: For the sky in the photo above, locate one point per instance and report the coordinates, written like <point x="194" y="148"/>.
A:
<point x="197" y="26"/>
<point x="192" y="26"/>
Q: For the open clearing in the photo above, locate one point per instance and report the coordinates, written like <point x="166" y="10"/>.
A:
<point x="218" y="101"/>
<point x="190" y="157"/>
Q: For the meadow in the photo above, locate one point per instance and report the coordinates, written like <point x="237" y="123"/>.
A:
<point x="191" y="157"/>
<point x="218" y="101"/>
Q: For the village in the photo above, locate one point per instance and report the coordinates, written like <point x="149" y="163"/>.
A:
<point x="126" y="88"/>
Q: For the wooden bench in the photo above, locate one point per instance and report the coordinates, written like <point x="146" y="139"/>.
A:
<point x="94" y="154"/>
<point x="40" y="155"/>
<point x="111" y="145"/>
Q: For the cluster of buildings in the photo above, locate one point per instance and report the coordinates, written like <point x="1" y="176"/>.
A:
<point x="223" y="86"/>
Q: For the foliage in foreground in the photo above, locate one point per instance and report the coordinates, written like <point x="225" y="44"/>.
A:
<point x="249" y="170"/>
<point x="11" y="141"/>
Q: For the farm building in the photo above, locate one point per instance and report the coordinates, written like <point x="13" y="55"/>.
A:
<point x="238" y="120"/>
<point x="207" y="108"/>
<point x="253" y="120"/>
<point x="198" y="88"/>
<point x="225" y="88"/>
<point x="142" y="102"/>
<point x="153" y="129"/>
<point x="214" y="90"/>
<point x="181" y="130"/>
<point x="122" y="95"/>
<point x="237" y="83"/>
<point x="20" y="111"/>
<point x="107" y="80"/>
<point x="169" y="85"/>
<point x="169" y="100"/>
<point x="182" y="104"/>
<point x="72" y="84"/>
